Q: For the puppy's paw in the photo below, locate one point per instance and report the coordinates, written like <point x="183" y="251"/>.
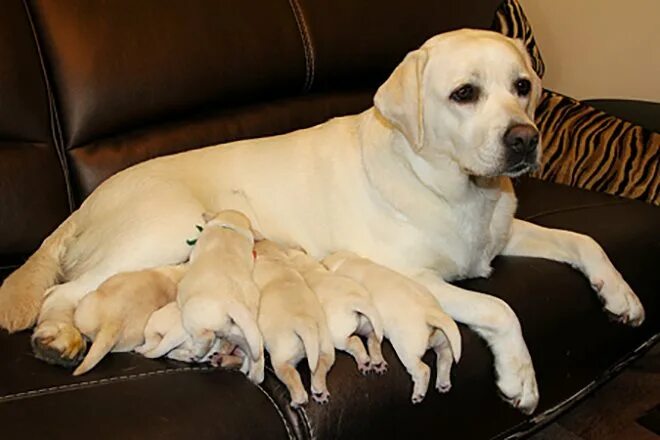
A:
<point x="58" y="343"/>
<point x="321" y="397"/>
<point x="379" y="368"/>
<point x="417" y="397"/>
<point x="517" y="385"/>
<point x="442" y="386"/>
<point x="619" y="299"/>
<point x="299" y="400"/>
<point x="364" y="368"/>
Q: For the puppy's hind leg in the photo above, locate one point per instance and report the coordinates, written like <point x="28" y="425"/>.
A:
<point x="378" y="363"/>
<point x="410" y="347"/>
<point x="290" y="377"/>
<point x="320" y="391"/>
<point x="444" y="361"/>
<point x="353" y="345"/>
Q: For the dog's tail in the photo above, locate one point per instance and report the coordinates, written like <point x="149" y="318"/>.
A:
<point x="308" y="332"/>
<point x="365" y="307"/>
<point x="22" y="293"/>
<point x="443" y="322"/>
<point x="105" y="340"/>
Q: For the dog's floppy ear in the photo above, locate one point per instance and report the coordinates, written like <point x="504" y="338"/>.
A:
<point x="537" y="88"/>
<point x="248" y="325"/>
<point x="400" y="98"/>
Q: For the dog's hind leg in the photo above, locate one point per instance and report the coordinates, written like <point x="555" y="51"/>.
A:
<point x="56" y="340"/>
<point x="493" y="320"/>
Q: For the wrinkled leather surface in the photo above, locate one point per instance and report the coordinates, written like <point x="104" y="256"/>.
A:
<point x="33" y="194"/>
<point x="360" y="42"/>
<point x="124" y="63"/>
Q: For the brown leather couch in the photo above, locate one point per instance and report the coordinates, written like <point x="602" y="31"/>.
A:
<point x="88" y="88"/>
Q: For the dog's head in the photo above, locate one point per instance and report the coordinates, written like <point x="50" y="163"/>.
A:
<point x="468" y="95"/>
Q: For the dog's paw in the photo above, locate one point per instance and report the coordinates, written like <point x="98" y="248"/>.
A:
<point x="517" y="385"/>
<point x="321" y="397"/>
<point x="364" y="368"/>
<point x="379" y="368"/>
<point x="18" y="311"/>
<point x="619" y="300"/>
<point x="58" y="343"/>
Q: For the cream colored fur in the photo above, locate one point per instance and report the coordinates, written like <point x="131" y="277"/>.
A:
<point x="217" y="296"/>
<point x="114" y="315"/>
<point x="292" y="323"/>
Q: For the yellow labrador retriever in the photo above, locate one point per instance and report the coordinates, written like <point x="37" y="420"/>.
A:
<point x="417" y="183"/>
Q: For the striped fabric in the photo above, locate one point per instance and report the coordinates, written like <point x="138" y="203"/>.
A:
<point x="590" y="149"/>
<point x="582" y="146"/>
<point x="511" y="21"/>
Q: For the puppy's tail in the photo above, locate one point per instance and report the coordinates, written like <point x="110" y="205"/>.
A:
<point x="437" y="318"/>
<point x="242" y="317"/>
<point x="105" y="340"/>
<point x="308" y="332"/>
<point x="22" y="293"/>
<point x="171" y="340"/>
<point x="365" y="307"/>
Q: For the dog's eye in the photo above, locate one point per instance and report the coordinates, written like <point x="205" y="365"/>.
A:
<point x="523" y="87"/>
<point x="465" y="93"/>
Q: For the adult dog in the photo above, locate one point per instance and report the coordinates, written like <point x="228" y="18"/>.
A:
<point x="418" y="183"/>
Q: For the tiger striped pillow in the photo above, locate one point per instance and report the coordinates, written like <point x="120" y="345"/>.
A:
<point x="582" y="146"/>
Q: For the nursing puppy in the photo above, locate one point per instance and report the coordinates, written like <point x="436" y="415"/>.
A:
<point x="423" y="325"/>
<point x="115" y="314"/>
<point x="293" y="324"/>
<point x="217" y="296"/>
<point x="164" y="335"/>
<point x="349" y="312"/>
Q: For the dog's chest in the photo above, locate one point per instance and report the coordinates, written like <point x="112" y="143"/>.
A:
<point x="460" y="244"/>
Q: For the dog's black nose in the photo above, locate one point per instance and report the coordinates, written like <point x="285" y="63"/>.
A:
<point x="521" y="138"/>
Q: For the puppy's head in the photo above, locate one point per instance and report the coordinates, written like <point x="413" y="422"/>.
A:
<point x="468" y="95"/>
<point x="227" y="217"/>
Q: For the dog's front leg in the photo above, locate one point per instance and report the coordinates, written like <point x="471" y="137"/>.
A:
<point x="494" y="320"/>
<point x="583" y="253"/>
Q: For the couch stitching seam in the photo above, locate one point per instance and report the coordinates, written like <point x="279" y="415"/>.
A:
<point x="97" y="382"/>
<point x="307" y="44"/>
<point x="279" y="412"/>
<point x="574" y="208"/>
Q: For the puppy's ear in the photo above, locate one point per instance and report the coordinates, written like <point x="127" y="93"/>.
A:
<point x="248" y="325"/>
<point x="208" y="216"/>
<point x="400" y="98"/>
<point x="537" y="88"/>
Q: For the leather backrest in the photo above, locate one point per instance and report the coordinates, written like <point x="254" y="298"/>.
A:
<point x="33" y="194"/>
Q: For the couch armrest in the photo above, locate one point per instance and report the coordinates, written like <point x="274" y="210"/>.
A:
<point x="644" y="113"/>
<point x="587" y="148"/>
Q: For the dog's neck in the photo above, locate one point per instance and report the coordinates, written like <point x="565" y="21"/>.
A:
<point x="422" y="184"/>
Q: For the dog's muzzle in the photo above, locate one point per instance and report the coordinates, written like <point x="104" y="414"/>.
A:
<point x="521" y="142"/>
